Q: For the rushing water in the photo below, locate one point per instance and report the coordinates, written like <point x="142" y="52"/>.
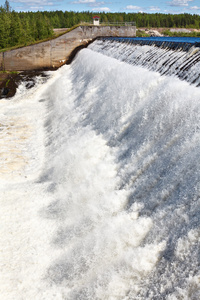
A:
<point x="155" y="55"/>
<point x="103" y="199"/>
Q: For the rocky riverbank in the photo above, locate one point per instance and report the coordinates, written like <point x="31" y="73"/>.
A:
<point x="9" y="81"/>
<point x="161" y="31"/>
<point x="8" y="84"/>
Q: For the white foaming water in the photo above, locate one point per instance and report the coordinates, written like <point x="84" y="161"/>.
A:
<point x="183" y="64"/>
<point x="106" y="202"/>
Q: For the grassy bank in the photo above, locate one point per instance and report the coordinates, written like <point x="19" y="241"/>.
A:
<point x="8" y="83"/>
<point x="141" y="33"/>
<point x="5" y="75"/>
<point x="172" y="32"/>
<point x="181" y="34"/>
<point x="40" y="41"/>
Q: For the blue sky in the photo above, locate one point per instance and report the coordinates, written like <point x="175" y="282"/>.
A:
<point x="149" y="6"/>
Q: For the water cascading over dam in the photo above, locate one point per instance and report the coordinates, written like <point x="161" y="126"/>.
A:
<point x="100" y="194"/>
<point x="166" y="57"/>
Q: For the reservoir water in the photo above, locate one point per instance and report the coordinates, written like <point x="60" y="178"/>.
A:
<point x="100" y="179"/>
<point x="173" y="39"/>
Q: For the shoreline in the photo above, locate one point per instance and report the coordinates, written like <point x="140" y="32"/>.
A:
<point x="9" y="81"/>
<point x="8" y="84"/>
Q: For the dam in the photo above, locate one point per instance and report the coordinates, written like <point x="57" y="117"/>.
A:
<point x="164" y="55"/>
<point x="56" y="52"/>
<point x="100" y="177"/>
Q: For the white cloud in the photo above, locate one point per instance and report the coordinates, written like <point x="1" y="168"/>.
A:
<point x="179" y="2"/>
<point x="91" y="3"/>
<point x="35" y="3"/>
<point x="154" y="8"/>
<point x="106" y="9"/>
<point x="195" y="7"/>
<point x="30" y="1"/>
<point x="132" y="7"/>
<point x="33" y="8"/>
<point x="84" y="1"/>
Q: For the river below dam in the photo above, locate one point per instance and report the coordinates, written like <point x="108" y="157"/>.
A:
<point x="100" y="180"/>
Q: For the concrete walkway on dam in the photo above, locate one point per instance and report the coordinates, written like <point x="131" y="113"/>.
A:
<point x="56" y="52"/>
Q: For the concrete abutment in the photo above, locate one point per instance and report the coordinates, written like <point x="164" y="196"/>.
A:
<point x="56" y="52"/>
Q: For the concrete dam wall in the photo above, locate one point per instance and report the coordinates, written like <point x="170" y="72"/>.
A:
<point x="56" y="52"/>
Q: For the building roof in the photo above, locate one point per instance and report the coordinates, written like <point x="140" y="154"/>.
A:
<point x="96" y="17"/>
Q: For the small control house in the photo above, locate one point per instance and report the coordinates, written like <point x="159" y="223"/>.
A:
<point x="96" y="20"/>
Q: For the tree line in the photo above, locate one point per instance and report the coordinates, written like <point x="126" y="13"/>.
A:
<point x="21" y="28"/>
<point x="60" y="19"/>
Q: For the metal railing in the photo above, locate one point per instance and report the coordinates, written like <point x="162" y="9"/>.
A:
<point x="118" y="23"/>
<point x="111" y="23"/>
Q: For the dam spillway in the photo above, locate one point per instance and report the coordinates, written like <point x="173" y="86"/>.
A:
<point x="100" y="183"/>
<point x="180" y="59"/>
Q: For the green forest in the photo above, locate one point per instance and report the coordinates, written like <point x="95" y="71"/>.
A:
<point x="22" y="28"/>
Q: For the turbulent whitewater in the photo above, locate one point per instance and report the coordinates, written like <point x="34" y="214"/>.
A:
<point x="155" y="55"/>
<point x="99" y="184"/>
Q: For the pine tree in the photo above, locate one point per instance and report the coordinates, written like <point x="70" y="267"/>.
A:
<point x="15" y="29"/>
<point x="4" y="28"/>
<point x="7" y="7"/>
